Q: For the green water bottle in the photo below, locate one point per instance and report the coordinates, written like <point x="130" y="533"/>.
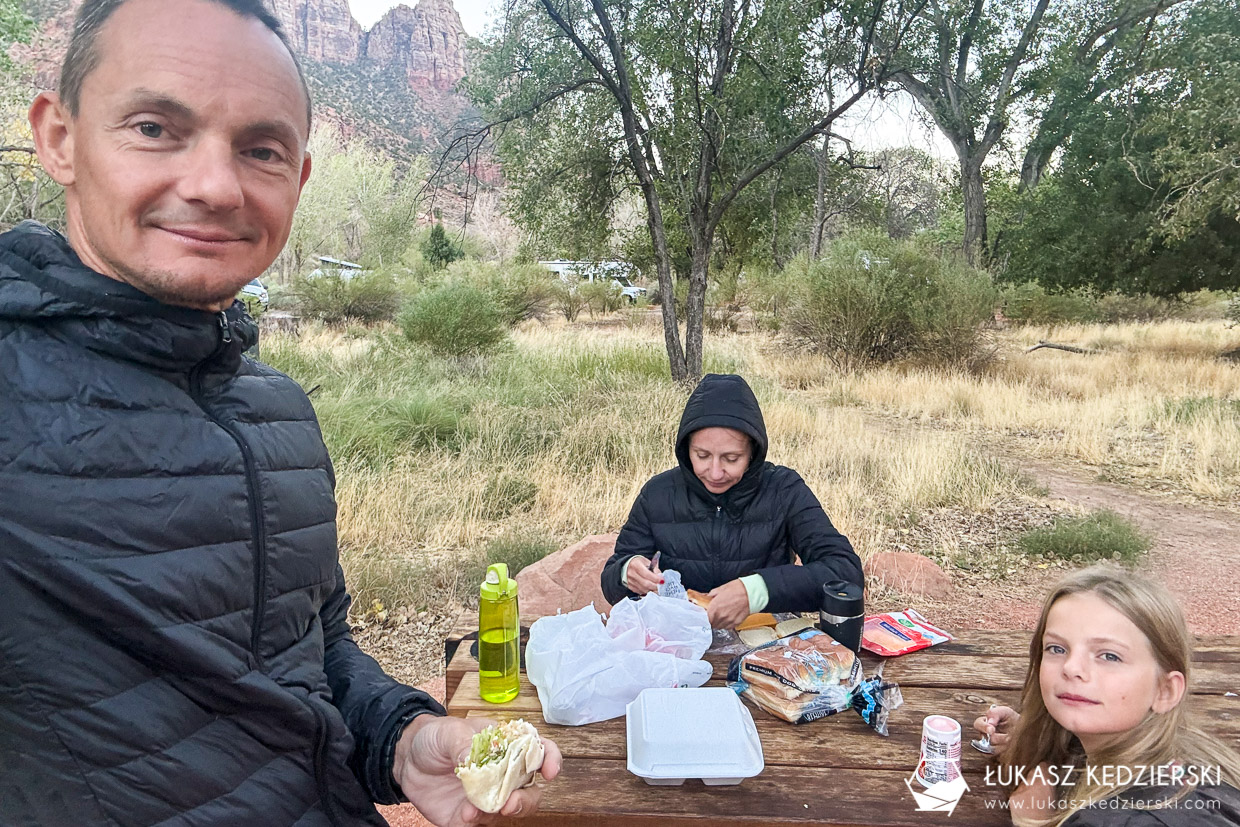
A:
<point x="499" y="631"/>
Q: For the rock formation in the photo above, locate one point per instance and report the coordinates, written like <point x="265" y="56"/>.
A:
<point x="427" y="39"/>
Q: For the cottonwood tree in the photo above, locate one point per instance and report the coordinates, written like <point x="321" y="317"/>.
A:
<point x="688" y="101"/>
<point x="975" y="66"/>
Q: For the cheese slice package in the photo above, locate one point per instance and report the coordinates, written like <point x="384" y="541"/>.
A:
<point x="502" y="759"/>
<point x="898" y="633"/>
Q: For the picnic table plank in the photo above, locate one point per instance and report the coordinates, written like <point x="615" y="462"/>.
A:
<point x="778" y="796"/>
<point x="842" y="740"/>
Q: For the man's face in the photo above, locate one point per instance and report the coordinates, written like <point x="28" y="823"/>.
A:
<point x="185" y="161"/>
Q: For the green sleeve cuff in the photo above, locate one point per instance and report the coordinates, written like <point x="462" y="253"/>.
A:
<point x="624" y="572"/>
<point x="758" y="596"/>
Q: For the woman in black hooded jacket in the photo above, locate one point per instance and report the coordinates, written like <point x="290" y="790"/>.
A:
<point x="729" y="521"/>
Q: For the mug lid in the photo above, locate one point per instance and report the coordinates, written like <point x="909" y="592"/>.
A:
<point x="839" y="597"/>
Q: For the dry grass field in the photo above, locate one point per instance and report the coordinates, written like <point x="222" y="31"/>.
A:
<point x="445" y="463"/>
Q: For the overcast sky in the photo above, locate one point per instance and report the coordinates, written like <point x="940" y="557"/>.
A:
<point x="474" y="13"/>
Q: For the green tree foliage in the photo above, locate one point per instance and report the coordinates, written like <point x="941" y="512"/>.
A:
<point x="1196" y="66"/>
<point x="688" y="101"/>
<point x="974" y="67"/>
<point x="1098" y="221"/>
<point x="439" y="250"/>
<point x="15" y="27"/>
<point x="357" y="205"/>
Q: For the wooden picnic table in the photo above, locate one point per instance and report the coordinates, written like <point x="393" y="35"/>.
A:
<point x="833" y="771"/>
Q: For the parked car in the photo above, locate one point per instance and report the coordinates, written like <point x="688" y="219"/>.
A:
<point x="254" y="293"/>
<point x="617" y="272"/>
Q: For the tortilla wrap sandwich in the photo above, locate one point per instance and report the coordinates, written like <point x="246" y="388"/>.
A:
<point x="502" y="759"/>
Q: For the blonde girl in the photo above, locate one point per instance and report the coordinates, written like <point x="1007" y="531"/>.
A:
<point x="1107" y="693"/>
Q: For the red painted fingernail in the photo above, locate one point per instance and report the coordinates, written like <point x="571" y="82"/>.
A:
<point x="660" y="581"/>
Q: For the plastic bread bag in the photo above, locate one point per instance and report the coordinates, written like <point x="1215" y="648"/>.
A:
<point x="806" y="676"/>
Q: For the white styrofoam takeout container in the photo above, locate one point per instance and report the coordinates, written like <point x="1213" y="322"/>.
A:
<point x="707" y="733"/>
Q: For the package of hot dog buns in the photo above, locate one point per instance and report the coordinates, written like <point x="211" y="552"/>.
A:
<point x="808" y="675"/>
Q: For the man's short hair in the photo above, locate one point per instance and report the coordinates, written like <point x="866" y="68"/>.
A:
<point x="83" y="55"/>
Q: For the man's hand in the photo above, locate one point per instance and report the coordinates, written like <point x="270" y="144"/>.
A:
<point x="729" y="605"/>
<point x="641" y="578"/>
<point x="428" y="752"/>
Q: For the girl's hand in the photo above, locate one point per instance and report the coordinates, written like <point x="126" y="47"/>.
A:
<point x="997" y="725"/>
<point x="640" y="577"/>
<point x="729" y="605"/>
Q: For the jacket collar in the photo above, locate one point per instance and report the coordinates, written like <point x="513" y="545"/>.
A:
<point x="43" y="282"/>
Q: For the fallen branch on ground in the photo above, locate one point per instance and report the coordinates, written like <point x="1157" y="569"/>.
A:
<point x="1069" y="348"/>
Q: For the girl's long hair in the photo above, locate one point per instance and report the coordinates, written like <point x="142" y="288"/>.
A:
<point x="1159" y="739"/>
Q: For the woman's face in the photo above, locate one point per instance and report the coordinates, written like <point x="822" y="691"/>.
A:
<point x="1099" y="676"/>
<point x="720" y="457"/>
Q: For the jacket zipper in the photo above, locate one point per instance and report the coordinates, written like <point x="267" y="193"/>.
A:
<point x="258" y="531"/>
<point x="714" y="540"/>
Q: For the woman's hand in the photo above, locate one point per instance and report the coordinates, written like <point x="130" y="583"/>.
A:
<point x="428" y="752"/>
<point x="729" y="605"/>
<point x="997" y="725"/>
<point x="641" y="578"/>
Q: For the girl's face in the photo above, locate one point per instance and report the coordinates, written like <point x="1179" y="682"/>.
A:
<point x="1099" y="676"/>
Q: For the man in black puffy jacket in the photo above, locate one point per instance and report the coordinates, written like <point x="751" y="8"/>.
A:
<point x="174" y="643"/>
<point x="728" y="520"/>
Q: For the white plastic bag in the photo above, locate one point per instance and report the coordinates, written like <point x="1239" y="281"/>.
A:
<point x="661" y="624"/>
<point x="583" y="674"/>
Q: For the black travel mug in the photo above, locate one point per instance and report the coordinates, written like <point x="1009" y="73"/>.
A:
<point x="843" y="612"/>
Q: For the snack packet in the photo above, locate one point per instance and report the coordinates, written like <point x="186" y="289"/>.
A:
<point x="898" y="633"/>
<point x="806" y="676"/>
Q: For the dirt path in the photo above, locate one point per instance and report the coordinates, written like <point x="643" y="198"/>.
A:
<point x="1196" y="550"/>
<point x="1195" y="553"/>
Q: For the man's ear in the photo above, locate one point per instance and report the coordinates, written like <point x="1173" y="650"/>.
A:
<point x="305" y="173"/>
<point x="1170" y="692"/>
<point x="53" y="138"/>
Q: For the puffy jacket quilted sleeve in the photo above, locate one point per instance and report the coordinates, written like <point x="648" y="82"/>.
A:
<point x="635" y="538"/>
<point x="375" y="706"/>
<point x="825" y="553"/>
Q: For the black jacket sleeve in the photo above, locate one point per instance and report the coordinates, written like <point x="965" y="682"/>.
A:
<point x="374" y="705"/>
<point x="635" y="538"/>
<point x="825" y="554"/>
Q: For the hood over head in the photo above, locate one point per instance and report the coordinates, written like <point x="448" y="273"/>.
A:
<point x="43" y="282"/>
<point x="723" y="401"/>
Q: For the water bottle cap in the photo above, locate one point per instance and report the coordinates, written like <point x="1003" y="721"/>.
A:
<point x="497" y="583"/>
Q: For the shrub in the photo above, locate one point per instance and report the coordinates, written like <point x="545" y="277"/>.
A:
<point x="567" y="300"/>
<point x="1030" y="303"/>
<point x="872" y="300"/>
<point x="366" y="297"/>
<point x="1103" y="535"/>
<point x="454" y="319"/>
<point x="601" y="297"/>
<point x="1232" y="313"/>
<point x="522" y="292"/>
